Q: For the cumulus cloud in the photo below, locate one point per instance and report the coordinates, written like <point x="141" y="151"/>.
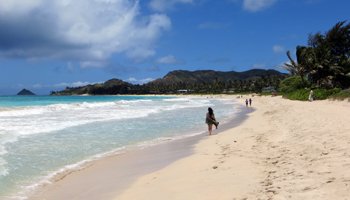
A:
<point x="74" y="84"/>
<point x="257" y="5"/>
<point x="139" y="81"/>
<point x="58" y="85"/>
<point x="278" y="49"/>
<point x="163" y="5"/>
<point x="87" y="31"/>
<point x="170" y="59"/>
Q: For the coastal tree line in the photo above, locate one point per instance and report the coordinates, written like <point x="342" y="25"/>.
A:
<point x="323" y="64"/>
<point x="197" y="82"/>
<point x="218" y="86"/>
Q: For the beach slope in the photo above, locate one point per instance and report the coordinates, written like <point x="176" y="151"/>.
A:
<point x="284" y="150"/>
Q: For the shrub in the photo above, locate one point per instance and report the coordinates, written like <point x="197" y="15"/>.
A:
<point x="300" y="94"/>
<point x="321" y="94"/>
<point x="294" y="89"/>
<point x="303" y="94"/>
<point x="344" y="94"/>
<point x="291" y="84"/>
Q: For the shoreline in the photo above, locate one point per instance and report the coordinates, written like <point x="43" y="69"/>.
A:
<point x="93" y="172"/>
<point x="284" y="150"/>
<point x="166" y="152"/>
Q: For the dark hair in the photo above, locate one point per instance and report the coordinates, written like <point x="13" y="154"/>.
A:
<point x="210" y="110"/>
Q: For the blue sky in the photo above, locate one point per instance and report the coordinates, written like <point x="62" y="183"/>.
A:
<point x="50" y="44"/>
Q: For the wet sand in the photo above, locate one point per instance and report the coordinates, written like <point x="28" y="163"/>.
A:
<point x="283" y="150"/>
<point x="110" y="176"/>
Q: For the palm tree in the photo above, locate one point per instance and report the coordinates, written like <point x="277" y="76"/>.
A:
<point x="326" y="60"/>
<point x="332" y="51"/>
<point x="305" y="61"/>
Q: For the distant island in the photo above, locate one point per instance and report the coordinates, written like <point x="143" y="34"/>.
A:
<point x="183" y="81"/>
<point x="25" y="92"/>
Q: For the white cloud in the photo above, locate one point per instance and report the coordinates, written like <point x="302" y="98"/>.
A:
<point x="74" y="84"/>
<point x="19" y="6"/>
<point x="88" y="31"/>
<point x="278" y="49"/>
<point x="257" y="5"/>
<point x="170" y="59"/>
<point x="58" y="85"/>
<point x="37" y="86"/>
<point x="139" y="81"/>
<point x="163" y="5"/>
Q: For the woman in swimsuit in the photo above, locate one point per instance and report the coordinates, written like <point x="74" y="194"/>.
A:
<point x="210" y="120"/>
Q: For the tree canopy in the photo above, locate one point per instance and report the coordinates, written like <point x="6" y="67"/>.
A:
<point x="325" y="61"/>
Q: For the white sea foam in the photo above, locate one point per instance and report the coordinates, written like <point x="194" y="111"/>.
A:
<point x="162" y="140"/>
<point x="177" y="99"/>
<point x="44" y="119"/>
<point x="3" y="169"/>
<point x="4" y="140"/>
<point x="27" y="121"/>
<point x="56" y="175"/>
<point x="40" y="119"/>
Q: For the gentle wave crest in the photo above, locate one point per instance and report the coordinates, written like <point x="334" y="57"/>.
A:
<point x="43" y="119"/>
<point x="35" y="134"/>
<point x="25" y="121"/>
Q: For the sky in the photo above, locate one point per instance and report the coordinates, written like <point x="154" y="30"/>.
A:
<point x="47" y="45"/>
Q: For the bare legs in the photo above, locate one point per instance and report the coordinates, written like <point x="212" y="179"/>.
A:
<point x="210" y="128"/>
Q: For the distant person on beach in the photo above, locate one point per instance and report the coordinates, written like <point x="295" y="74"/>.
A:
<point x="210" y="120"/>
<point x="311" y="95"/>
<point x="246" y="102"/>
<point x="250" y="102"/>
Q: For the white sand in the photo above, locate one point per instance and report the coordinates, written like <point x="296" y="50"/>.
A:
<point x="285" y="150"/>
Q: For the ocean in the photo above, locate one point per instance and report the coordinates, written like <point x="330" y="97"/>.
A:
<point x="41" y="136"/>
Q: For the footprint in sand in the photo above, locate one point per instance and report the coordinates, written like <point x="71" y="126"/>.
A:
<point x="307" y="189"/>
<point x="275" y="162"/>
<point x="330" y="180"/>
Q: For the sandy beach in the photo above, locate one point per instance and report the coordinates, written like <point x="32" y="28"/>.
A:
<point x="283" y="150"/>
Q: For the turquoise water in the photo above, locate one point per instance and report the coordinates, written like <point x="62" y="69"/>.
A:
<point x="43" y="135"/>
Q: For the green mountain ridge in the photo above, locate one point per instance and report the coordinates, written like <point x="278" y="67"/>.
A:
<point x="200" y="81"/>
<point x="208" y="76"/>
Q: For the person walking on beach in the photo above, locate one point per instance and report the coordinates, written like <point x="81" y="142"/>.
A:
<point x="250" y="102"/>
<point x="246" y="102"/>
<point x="311" y="95"/>
<point x="210" y="120"/>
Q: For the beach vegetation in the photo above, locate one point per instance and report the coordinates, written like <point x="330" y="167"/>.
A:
<point x="305" y="59"/>
<point x="323" y="65"/>
<point x="343" y="94"/>
<point x="303" y="94"/>
<point x="299" y="94"/>
<point x="321" y="93"/>
<point x="292" y="83"/>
